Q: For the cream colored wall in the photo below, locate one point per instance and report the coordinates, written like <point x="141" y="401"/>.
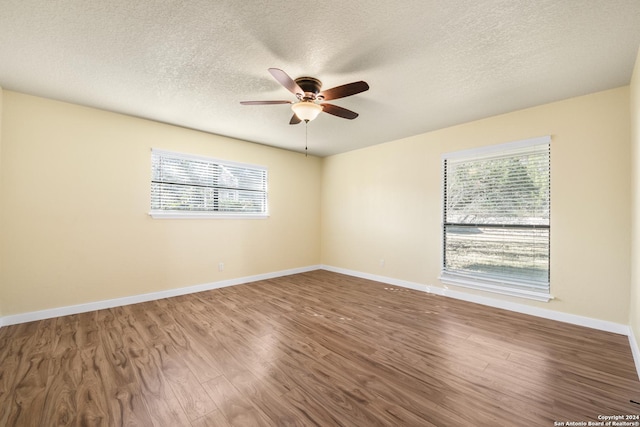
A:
<point x="75" y="197"/>
<point x="384" y="202"/>
<point x="634" y="318"/>
<point x="2" y="290"/>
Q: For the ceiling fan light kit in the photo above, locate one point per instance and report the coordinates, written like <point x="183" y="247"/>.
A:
<point x="310" y="100"/>
<point x="306" y="110"/>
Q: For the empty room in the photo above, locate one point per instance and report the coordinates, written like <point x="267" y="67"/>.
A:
<point x="355" y="213"/>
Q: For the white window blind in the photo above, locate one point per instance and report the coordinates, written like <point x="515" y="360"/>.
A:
<point x="497" y="218"/>
<point x="184" y="185"/>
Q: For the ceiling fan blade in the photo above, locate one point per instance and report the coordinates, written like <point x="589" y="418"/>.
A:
<point x="286" y="81"/>
<point x="294" y="120"/>
<point x="344" y="90"/>
<point x="339" y="111"/>
<point x="264" y="102"/>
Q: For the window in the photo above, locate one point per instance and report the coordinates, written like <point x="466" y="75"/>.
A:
<point x="187" y="186"/>
<point x="496" y="218"/>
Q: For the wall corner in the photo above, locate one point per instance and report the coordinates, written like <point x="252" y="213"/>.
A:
<point x="2" y="284"/>
<point x="634" y="297"/>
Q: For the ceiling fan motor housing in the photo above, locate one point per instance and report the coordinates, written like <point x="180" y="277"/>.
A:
<point x="311" y="87"/>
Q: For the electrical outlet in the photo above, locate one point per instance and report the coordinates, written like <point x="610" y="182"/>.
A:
<point x="221" y="266"/>
<point x="382" y="262"/>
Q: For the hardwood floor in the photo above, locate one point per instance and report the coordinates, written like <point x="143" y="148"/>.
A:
<point x="313" y="349"/>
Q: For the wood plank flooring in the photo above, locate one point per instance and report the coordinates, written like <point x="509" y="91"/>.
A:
<point x="312" y="349"/>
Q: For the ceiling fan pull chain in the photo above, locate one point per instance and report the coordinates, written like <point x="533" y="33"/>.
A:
<point x="306" y="136"/>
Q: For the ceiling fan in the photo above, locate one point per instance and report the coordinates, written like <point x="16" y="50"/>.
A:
<point x="310" y="101"/>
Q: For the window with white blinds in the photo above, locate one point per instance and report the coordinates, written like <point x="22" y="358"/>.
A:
<point x="496" y="218"/>
<point x="184" y="185"/>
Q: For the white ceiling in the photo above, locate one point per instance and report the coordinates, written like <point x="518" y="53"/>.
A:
<point x="430" y="63"/>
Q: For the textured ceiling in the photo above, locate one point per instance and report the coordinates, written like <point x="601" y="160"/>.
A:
<point x="429" y="63"/>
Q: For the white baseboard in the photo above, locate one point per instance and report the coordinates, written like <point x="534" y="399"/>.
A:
<point x="116" y="302"/>
<point x="634" y="350"/>
<point x="574" y="319"/>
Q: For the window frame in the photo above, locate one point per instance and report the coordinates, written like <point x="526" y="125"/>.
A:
<point x="209" y="214"/>
<point x="478" y="281"/>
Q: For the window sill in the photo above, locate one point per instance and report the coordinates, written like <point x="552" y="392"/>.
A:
<point x="204" y="215"/>
<point x="487" y="286"/>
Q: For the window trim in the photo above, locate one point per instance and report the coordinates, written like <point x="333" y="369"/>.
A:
<point x="184" y="214"/>
<point x="156" y="214"/>
<point x="473" y="281"/>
